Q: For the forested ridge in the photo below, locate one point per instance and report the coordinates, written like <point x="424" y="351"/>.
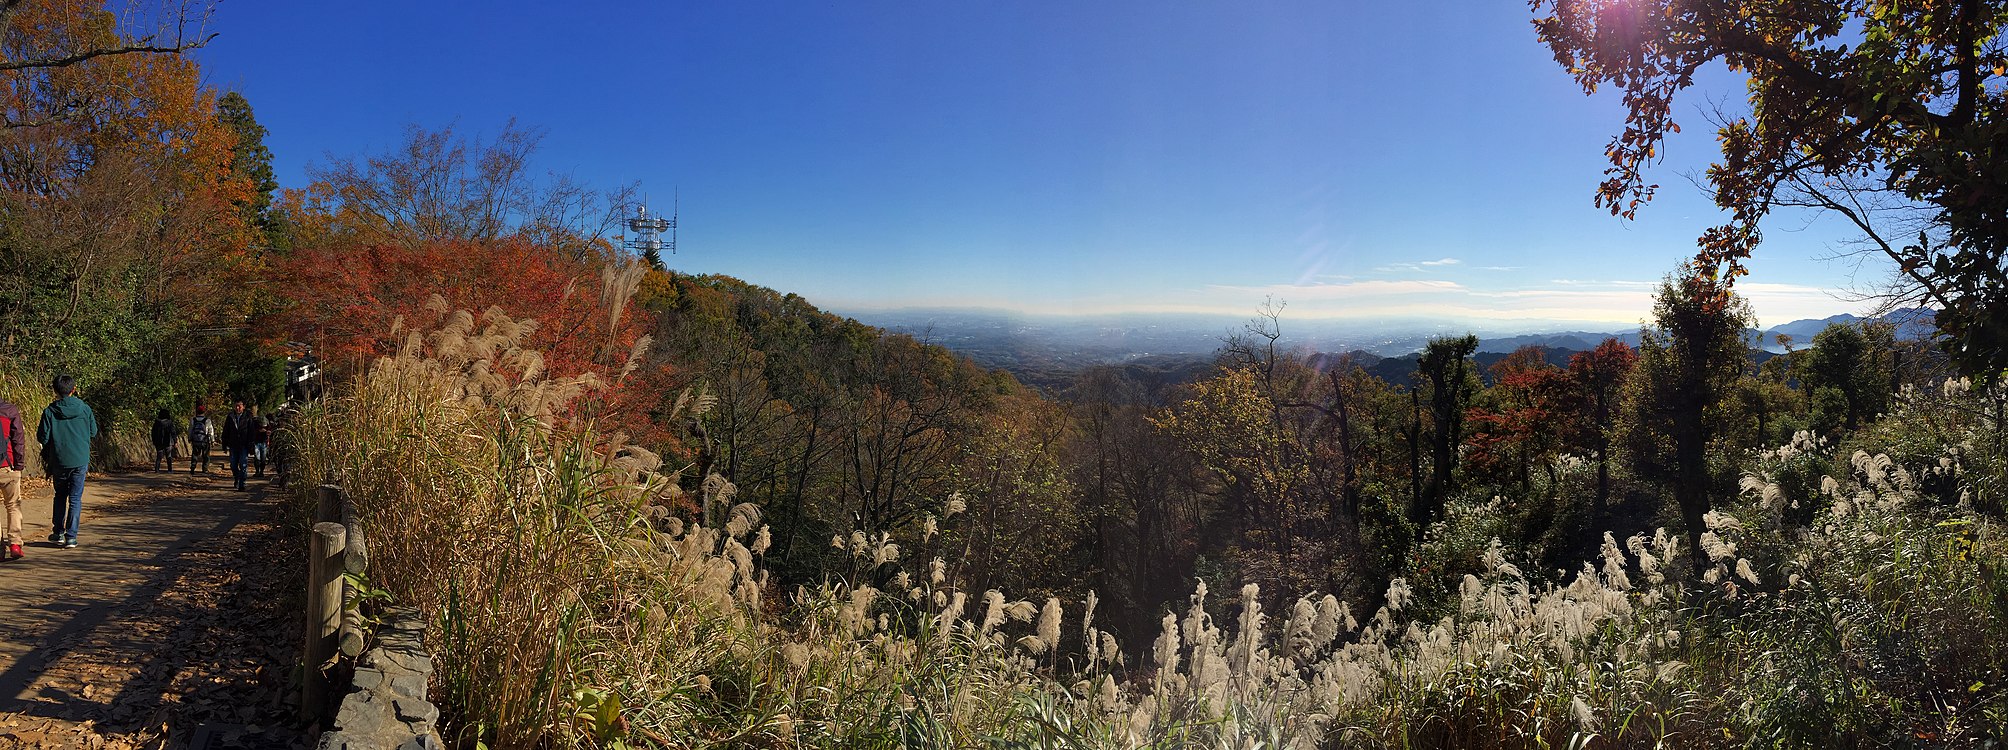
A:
<point x="651" y="508"/>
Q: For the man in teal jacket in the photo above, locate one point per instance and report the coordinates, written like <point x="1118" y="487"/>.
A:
<point x="65" y="434"/>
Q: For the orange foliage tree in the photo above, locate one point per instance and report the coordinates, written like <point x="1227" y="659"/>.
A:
<point x="122" y="254"/>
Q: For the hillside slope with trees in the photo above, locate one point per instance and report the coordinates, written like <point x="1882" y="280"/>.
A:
<point x="649" y="508"/>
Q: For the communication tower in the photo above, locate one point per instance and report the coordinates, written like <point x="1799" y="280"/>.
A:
<point x="647" y="239"/>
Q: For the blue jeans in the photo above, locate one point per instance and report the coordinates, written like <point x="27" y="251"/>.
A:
<point x="65" y="515"/>
<point x="238" y="456"/>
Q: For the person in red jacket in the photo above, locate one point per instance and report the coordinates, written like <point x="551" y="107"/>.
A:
<point x="13" y="458"/>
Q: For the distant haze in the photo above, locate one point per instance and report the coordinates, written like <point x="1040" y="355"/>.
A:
<point x="1012" y="340"/>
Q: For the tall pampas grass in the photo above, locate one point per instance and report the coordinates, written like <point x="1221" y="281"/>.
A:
<point x="573" y="608"/>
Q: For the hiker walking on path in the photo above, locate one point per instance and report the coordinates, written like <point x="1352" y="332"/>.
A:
<point x="261" y="441"/>
<point x="201" y="433"/>
<point x="238" y="433"/>
<point x="16" y="459"/>
<point x="164" y="433"/>
<point x="67" y="428"/>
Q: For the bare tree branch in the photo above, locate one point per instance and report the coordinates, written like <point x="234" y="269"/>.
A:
<point x="177" y="18"/>
<point x="89" y="54"/>
<point x="1848" y="202"/>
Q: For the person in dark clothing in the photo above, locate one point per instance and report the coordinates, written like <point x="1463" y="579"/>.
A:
<point x="11" y="469"/>
<point x="201" y="434"/>
<point x="261" y="441"/>
<point x="164" y="432"/>
<point x="238" y="433"/>
<point x="67" y="428"/>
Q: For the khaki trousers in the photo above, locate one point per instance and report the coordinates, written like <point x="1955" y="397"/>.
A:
<point x="10" y="499"/>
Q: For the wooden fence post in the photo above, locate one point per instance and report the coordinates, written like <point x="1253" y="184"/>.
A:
<point x="324" y="611"/>
<point x="355" y="561"/>
<point x="329" y="507"/>
<point x="356" y="552"/>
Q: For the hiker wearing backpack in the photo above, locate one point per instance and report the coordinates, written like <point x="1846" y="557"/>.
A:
<point x="238" y="433"/>
<point x="16" y="459"/>
<point x="201" y="433"/>
<point x="164" y="433"/>
<point x="67" y="428"/>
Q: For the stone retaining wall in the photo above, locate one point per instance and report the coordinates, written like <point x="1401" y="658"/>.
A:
<point x="386" y="706"/>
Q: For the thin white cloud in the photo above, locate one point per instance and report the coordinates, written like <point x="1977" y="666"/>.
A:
<point x="1618" y="284"/>
<point x="1372" y="288"/>
<point x="1561" y="294"/>
<point x="1433" y="298"/>
<point x="1758" y="287"/>
<point x="1418" y="265"/>
<point x="1498" y="268"/>
<point x="1603" y="305"/>
<point x="1777" y="304"/>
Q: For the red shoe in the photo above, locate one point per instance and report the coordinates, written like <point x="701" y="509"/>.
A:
<point x="15" y="551"/>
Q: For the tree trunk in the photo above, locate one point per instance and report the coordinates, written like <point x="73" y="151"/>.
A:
<point x="1418" y="509"/>
<point x="1349" y="491"/>
<point x="1603" y="483"/>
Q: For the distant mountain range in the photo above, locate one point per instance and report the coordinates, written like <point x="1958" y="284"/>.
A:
<point x="1047" y="351"/>
<point x="1911" y="323"/>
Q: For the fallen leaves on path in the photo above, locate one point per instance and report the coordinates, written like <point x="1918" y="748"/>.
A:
<point x="208" y="659"/>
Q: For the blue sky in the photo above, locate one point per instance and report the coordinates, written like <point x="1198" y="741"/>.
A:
<point x="1356" y="160"/>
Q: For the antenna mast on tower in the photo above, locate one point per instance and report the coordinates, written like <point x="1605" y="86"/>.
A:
<point x="647" y="240"/>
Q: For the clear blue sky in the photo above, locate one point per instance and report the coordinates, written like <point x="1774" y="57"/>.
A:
<point x="1362" y="159"/>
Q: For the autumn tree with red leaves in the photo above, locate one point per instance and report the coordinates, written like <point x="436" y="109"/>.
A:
<point x="373" y="247"/>
<point x="1522" y="424"/>
<point x="347" y="299"/>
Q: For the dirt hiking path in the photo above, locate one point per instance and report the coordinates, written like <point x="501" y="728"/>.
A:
<point x="174" y="623"/>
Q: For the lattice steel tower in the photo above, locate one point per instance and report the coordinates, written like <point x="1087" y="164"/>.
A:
<point x="647" y="239"/>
